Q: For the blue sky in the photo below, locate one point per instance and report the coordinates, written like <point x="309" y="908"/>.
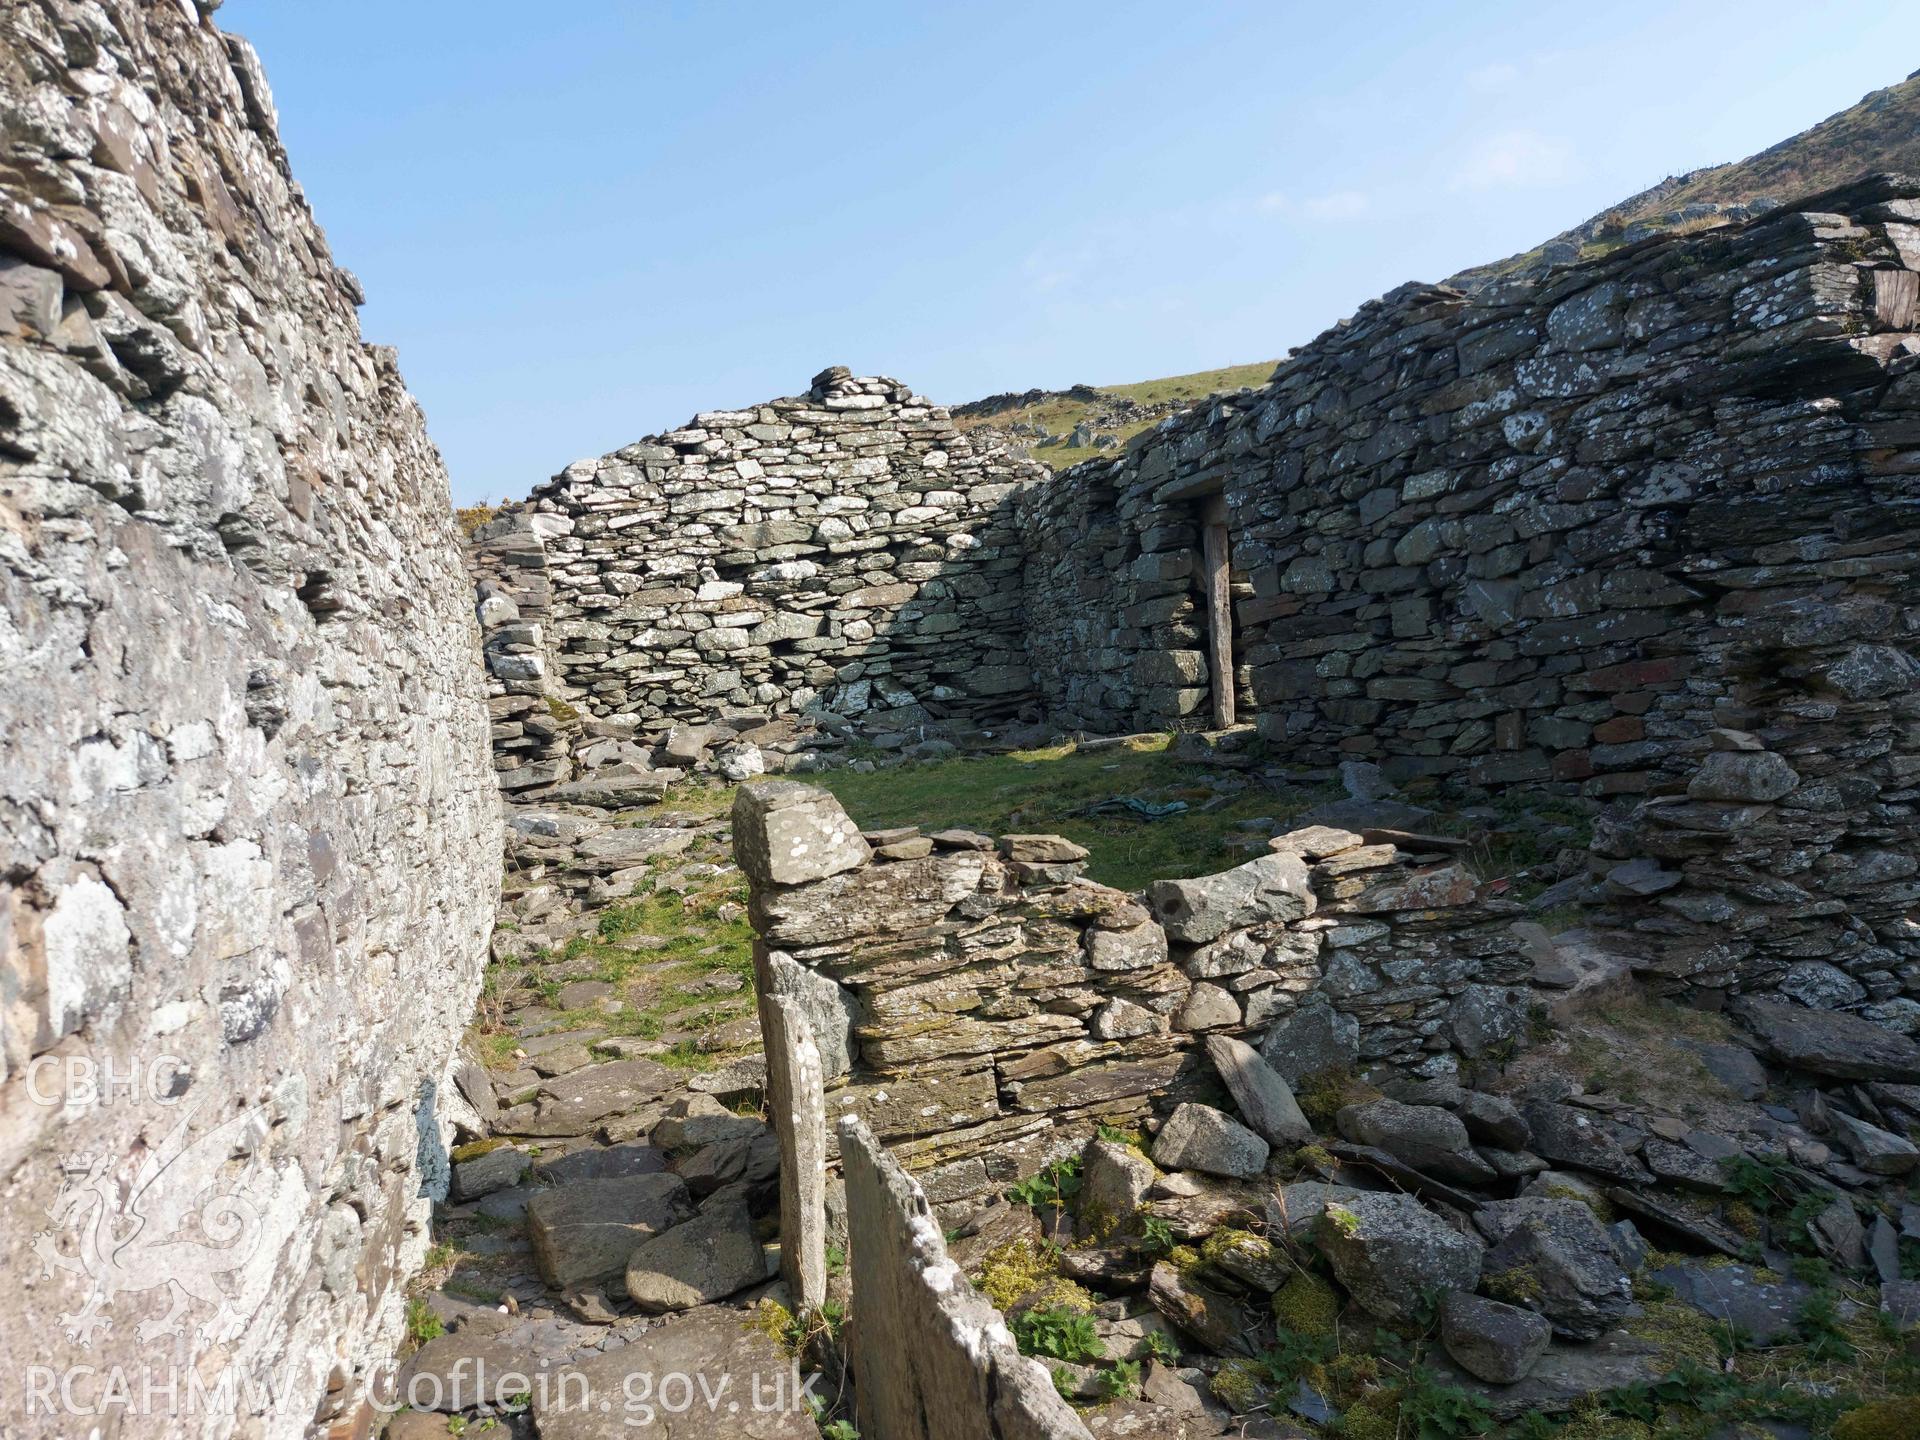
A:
<point x="582" y="222"/>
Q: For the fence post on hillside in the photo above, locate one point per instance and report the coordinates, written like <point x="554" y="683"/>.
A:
<point x="797" y="1105"/>
<point x="932" y="1360"/>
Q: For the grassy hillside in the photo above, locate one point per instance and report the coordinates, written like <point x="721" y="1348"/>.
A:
<point x="1120" y="410"/>
<point x="1880" y="134"/>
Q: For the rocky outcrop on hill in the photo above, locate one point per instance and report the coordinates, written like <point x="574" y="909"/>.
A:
<point x="248" y="838"/>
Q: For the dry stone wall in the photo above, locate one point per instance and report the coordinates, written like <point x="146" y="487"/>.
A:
<point x="847" y="550"/>
<point x="533" y="736"/>
<point x="1643" y="531"/>
<point x="249" y="839"/>
<point x="975" y="999"/>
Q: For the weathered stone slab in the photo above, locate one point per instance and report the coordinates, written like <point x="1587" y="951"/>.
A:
<point x="1828" y="1042"/>
<point x="786" y="833"/>
<point x="1273" y="887"/>
<point x="627" y="1391"/>
<point x="583" y="1233"/>
<point x="1390" y="1251"/>
<point x="572" y="1104"/>
<point x="1198" y="1137"/>
<point x="698" y="1261"/>
<point x="1266" y="1101"/>
<point x="936" y="1361"/>
<point x="798" y="1106"/>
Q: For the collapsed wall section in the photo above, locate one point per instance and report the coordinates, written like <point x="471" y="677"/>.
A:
<point x="249" y="840"/>
<point x="846" y="550"/>
<point x="1643" y="531"/>
<point x="970" y="997"/>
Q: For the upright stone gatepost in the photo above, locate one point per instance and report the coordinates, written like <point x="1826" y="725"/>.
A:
<point x="796" y="1100"/>
<point x="932" y="1360"/>
<point x="786" y="834"/>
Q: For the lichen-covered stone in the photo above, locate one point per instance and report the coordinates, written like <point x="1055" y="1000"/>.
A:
<point x="1198" y="1137"/>
<point x="1274" y="887"/>
<point x="1266" y="1102"/>
<point x="1390" y="1252"/>
<point x="1490" y="1340"/>
<point x="793" y="833"/>
<point x="1554" y="1257"/>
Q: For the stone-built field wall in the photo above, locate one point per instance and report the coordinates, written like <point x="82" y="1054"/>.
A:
<point x="972" y="996"/>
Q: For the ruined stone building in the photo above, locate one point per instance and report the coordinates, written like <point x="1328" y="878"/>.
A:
<point x="1640" y="532"/>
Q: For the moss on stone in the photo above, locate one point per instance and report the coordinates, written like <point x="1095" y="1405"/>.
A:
<point x="1517" y="1286"/>
<point x="473" y="1151"/>
<point x="1349" y="1375"/>
<point x="1307" y="1305"/>
<point x="1375" y="1415"/>
<point x="1184" y="1258"/>
<point x="1678" y="1329"/>
<point x="1744" y="1218"/>
<point x="1226" y="1239"/>
<point x="1097" y="1222"/>
<point x="1598" y="1204"/>
<point x="1240" y="1385"/>
<point x="776" y="1322"/>
<point x="1015" y="1270"/>
<point x="1595" y="1424"/>
<point x="1882" y="1420"/>
<point x="1316" y="1157"/>
<point x="1322" y="1094"/>
<point x="1061" y="1293"/>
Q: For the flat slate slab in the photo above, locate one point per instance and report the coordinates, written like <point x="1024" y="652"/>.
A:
<point x="583" y="1232"/>
<point x="1759" y="1304"/>
<point x="1568" y="1374"/>
<point x="1828" y="1042"/>
<point x="473" y="1366"/>
<point x="708" y="1375"/>
<point x="571" y="1104"/>
<point x="603" y="1162"/>
<point x="708" y="1258"/>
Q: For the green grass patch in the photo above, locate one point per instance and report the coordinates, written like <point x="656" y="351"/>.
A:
<point x="1048" y="791"/>
<point x="704" y="931"/>
<point x="691" y="938"/>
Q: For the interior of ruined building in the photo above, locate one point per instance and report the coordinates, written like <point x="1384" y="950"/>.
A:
<point x="1384" y="906"/>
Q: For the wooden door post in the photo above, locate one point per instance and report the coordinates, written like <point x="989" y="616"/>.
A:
<point x="1214" y="549"/>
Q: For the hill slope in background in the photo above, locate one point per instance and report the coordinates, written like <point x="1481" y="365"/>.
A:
<point x="1881" y="133"/>
<point x="1064" y="427"/>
